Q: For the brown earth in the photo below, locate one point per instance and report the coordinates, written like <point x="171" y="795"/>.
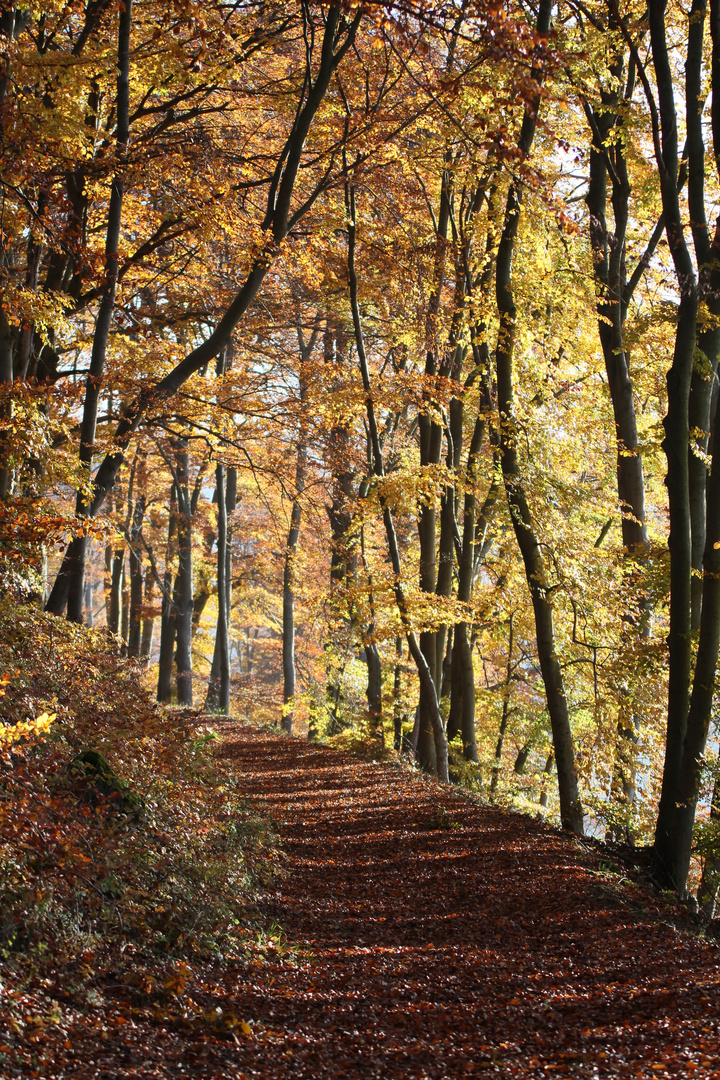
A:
<point x="422" y="935"/>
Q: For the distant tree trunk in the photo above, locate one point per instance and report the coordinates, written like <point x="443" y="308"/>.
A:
<point x="343" y="548"/>
<point x="505" y="712"/>
<point x="547" y="773"/>
<point x="305" y="350"/>
<point x="125" y="610"/>
<point x="523" y="754"/>
<point x="218" y="694"/>
<point x="88" y="603"/>
<point x="397" y="696"/>
<point x="374" y="689"/>
<point x="136" y="579"/>
<point x="168" y="616"/>
<point x="184" y="581"/>
<point x="114" y="599"/>
<point x="448" y="512"/>
<point x="220" y="671"/>
<point x="291" y="549"/>
<point x="474" y="545"/>
<point x="148" y="625"/>
<point x="202" y="590"/>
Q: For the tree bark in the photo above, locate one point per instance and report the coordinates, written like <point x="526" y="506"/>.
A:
<point x="305" y="350"/>
<point x="184" y="580"/>
<point x="136" y="579"/>
<point x="168" y="618"/>
<point x="675" y="445"/>
<point x="218" y="693"/>
<point x="571" y="812"/>
<point x="148" y="625"/>
<point x="505" y="712"/>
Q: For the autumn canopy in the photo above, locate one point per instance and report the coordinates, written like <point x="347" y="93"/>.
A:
<point x="358" y="371"/>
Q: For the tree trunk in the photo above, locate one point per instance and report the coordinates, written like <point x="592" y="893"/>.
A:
<point x="116" y="584"/>
<point x="505" y="713"/>
<point x="397" y="696"/>
<point x="93" y="386"/>
<point x="136" y="580"/>
<point x="675" y="445"/>
<point x="571" y="812"/>
<point x="168" y="618"/>
<point x="374" y="690"/>
<point x="184" y="580"/>
<point x="218" y="693"/>
<point x="677" y="849"/>
<point x="148" y="625"/>
<point x="343" y="545"/>
<point x="291" y="548"/>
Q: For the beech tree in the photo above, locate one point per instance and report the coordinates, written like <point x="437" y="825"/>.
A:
<point x="371" y="351"/>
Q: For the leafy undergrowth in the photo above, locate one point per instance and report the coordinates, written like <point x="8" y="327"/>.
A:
<point x="423" y="936"/>
<point x="127" y="849"/>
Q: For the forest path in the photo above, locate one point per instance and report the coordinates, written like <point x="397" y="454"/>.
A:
<point x="440" y="943"/>
<point x="490" y="945"/>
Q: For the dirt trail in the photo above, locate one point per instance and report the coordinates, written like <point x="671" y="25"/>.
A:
<point x="443" y="943"/>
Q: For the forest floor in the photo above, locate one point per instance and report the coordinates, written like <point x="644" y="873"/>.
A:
<point x="416" y="934"/>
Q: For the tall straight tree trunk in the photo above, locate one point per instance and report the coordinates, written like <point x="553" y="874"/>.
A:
<point x="397" y="696"/>
<point x="614" y="291"/>
<point x="703" y="380"/>
<point x="675" y="445"/>
<point x="136" y="579"/>
<point x="68" y="587"/>
<point x="505" y="712"/>
<point x="677" y="849"/>
<point x="343" y="545"/>
<point x="125" y="609"/>
<point x="571" y="812"/>
<point x="88" y="603"/>
<point x="305" y="350"/>
<point x="288" y="620"/>
<point x="116" y="583"/>
<point x="184" y="582"/>
<point x="168" y="620"/>
<point x="220" y="669"/>
<point x="431" y="444"/>
<point x="148" y="624"/>
<point x="373" y="689"/>
<point x="218" y="694"/>
<point x="475" y="530"/>
<point x="613" y="296"/>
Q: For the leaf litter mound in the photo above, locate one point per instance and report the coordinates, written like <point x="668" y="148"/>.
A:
<point x="414" y="934"/>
